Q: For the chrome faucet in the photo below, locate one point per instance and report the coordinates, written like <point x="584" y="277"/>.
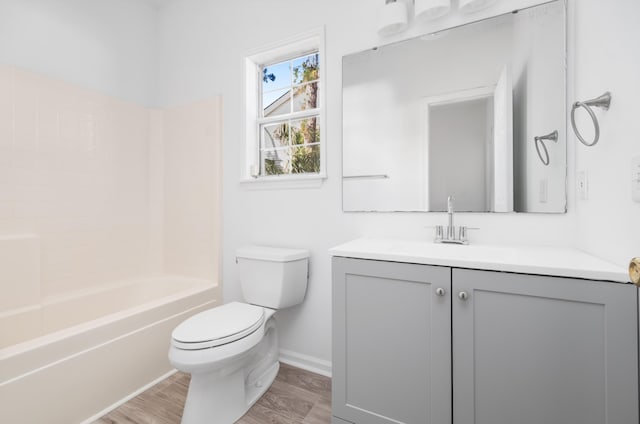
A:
<point x="450" y="236"/>
<point x="451" y="229"/>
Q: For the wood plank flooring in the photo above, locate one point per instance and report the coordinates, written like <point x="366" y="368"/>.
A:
<point x="295" y="397"/>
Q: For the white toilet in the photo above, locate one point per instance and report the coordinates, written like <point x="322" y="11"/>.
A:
<point x="231" y="351"/>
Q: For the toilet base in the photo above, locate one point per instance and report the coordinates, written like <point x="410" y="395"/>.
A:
<point x="225" y="394"/>
<point x="224" y="399"/>
<point x="262" y="385"/>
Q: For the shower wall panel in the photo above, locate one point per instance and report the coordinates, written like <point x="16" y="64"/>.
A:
<point x="76" y="170"/>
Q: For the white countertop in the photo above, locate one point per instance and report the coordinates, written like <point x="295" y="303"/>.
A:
<point x="563" y="262"/>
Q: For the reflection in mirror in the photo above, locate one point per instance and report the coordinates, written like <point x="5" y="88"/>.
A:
<point x="456" y="113"/>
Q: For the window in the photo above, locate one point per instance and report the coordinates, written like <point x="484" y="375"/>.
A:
<point x="284" y="122"/>
<point x="289" y="124"/>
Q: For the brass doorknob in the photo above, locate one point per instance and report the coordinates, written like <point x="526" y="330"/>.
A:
<point x="634" y="271"/>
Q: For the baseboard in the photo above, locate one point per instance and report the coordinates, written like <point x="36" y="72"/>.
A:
<point x="127" y="398"/>
<point x="306" y="362"/>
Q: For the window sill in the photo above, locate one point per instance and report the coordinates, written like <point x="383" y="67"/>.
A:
<point x="283" y="182"/>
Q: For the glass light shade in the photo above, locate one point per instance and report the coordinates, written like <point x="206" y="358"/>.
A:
<point x="470" y="6"/>
<point x="392" y="18"/>
<point x="426" y="10"/>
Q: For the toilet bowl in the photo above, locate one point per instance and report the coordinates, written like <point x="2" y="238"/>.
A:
<point x="231" y="351"/>
<point x="230" y="366"/>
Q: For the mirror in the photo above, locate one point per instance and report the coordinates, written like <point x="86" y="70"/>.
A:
<point x="456" y="113"/>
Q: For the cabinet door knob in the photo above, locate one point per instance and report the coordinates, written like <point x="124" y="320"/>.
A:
<point x="463" y="295"/>
<point x="440" y="291"/>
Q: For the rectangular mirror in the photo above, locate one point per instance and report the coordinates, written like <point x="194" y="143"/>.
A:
<point x="477" y="112"/>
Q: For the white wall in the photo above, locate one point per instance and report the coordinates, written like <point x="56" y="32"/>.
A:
<point x="107" y="46"/>
<point x="607" y="59"/>
<point x="202" y="46"/>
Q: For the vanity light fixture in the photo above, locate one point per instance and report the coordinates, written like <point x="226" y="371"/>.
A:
<point x="426" y="10"/>
<point x="470" y="6"/>
<point x="392" y="17"/>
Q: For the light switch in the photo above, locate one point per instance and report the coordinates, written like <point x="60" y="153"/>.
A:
<point x="543" y="191"/>
<point x="635" y="179"/>
<point x="583" y="185"/>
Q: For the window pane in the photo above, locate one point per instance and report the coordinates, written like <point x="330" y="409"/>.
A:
<point x="290" y="87"/>
<point x="305" y="131"/>
<point x="275" y="162"/>
<point x="305" y="96"/>
<point x="276" y="76"/>
<point x="275" y="135"/>
<point x="306" y="69"/>
<point x="305" y="159"/>
<point x="276" y="102"/>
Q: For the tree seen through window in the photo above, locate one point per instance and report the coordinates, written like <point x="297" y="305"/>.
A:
<point x="291" y="145"/>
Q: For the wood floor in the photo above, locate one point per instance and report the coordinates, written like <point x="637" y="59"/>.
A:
<point x="295" y="397"/>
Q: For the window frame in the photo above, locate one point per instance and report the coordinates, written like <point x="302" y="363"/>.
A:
<point x="284" y="50"/>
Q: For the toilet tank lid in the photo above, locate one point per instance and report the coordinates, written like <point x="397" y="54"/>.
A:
<point x="274" y="254"/>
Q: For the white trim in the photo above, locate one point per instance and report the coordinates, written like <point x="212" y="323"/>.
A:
<point x="127" y="398"/>
<point x="281" y="50"/>
<point x="249" y="117"/>
<point x="293" y="116"/>
<point x="278" y="51"/>
<point x="306" y="362"/>
<point x="288" y="181"/>
<point x="460" y="95"/>
<point x="425" y="105"/>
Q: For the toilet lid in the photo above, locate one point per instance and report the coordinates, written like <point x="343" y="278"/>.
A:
<point x="218" y="326"/>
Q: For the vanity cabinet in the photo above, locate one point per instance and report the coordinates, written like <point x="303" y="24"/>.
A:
<point x="531" y="349"/>
<point x="391" y="342"/>
<point x="421" y="344"/>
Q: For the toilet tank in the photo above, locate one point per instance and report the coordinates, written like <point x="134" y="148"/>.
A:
<point x="273" y="277"/>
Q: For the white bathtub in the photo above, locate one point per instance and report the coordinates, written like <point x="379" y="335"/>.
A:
<point x="72" y="357"/>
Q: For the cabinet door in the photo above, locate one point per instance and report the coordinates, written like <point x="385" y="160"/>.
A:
<point x="543" y="350"/>
<point x="391" y="342"/>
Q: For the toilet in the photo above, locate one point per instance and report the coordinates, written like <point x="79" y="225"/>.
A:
<point x="231" y="351"/>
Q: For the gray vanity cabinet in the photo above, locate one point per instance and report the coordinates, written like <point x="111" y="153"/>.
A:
<point x="391" y="342"/>
<point x="494" y="348"/>
<point x="533" y="349"/>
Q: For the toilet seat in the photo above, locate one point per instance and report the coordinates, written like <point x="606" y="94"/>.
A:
<point x="218" y="326"/>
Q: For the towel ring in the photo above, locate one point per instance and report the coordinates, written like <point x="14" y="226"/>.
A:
<point x="603" y="102"/>
<point x="539" y="140"/>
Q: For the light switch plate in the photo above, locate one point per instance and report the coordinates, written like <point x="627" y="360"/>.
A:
<point x="583" y="185"/>
<point x="543" y="191"/>
<point x="635" y="179"/>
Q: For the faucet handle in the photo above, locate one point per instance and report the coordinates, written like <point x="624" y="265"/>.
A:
<point x="463" y="232"/>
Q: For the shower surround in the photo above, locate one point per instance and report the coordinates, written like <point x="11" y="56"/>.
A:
<point x="97" y="195"/>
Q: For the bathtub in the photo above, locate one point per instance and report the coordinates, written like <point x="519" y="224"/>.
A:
<point x="72" y="358"/>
